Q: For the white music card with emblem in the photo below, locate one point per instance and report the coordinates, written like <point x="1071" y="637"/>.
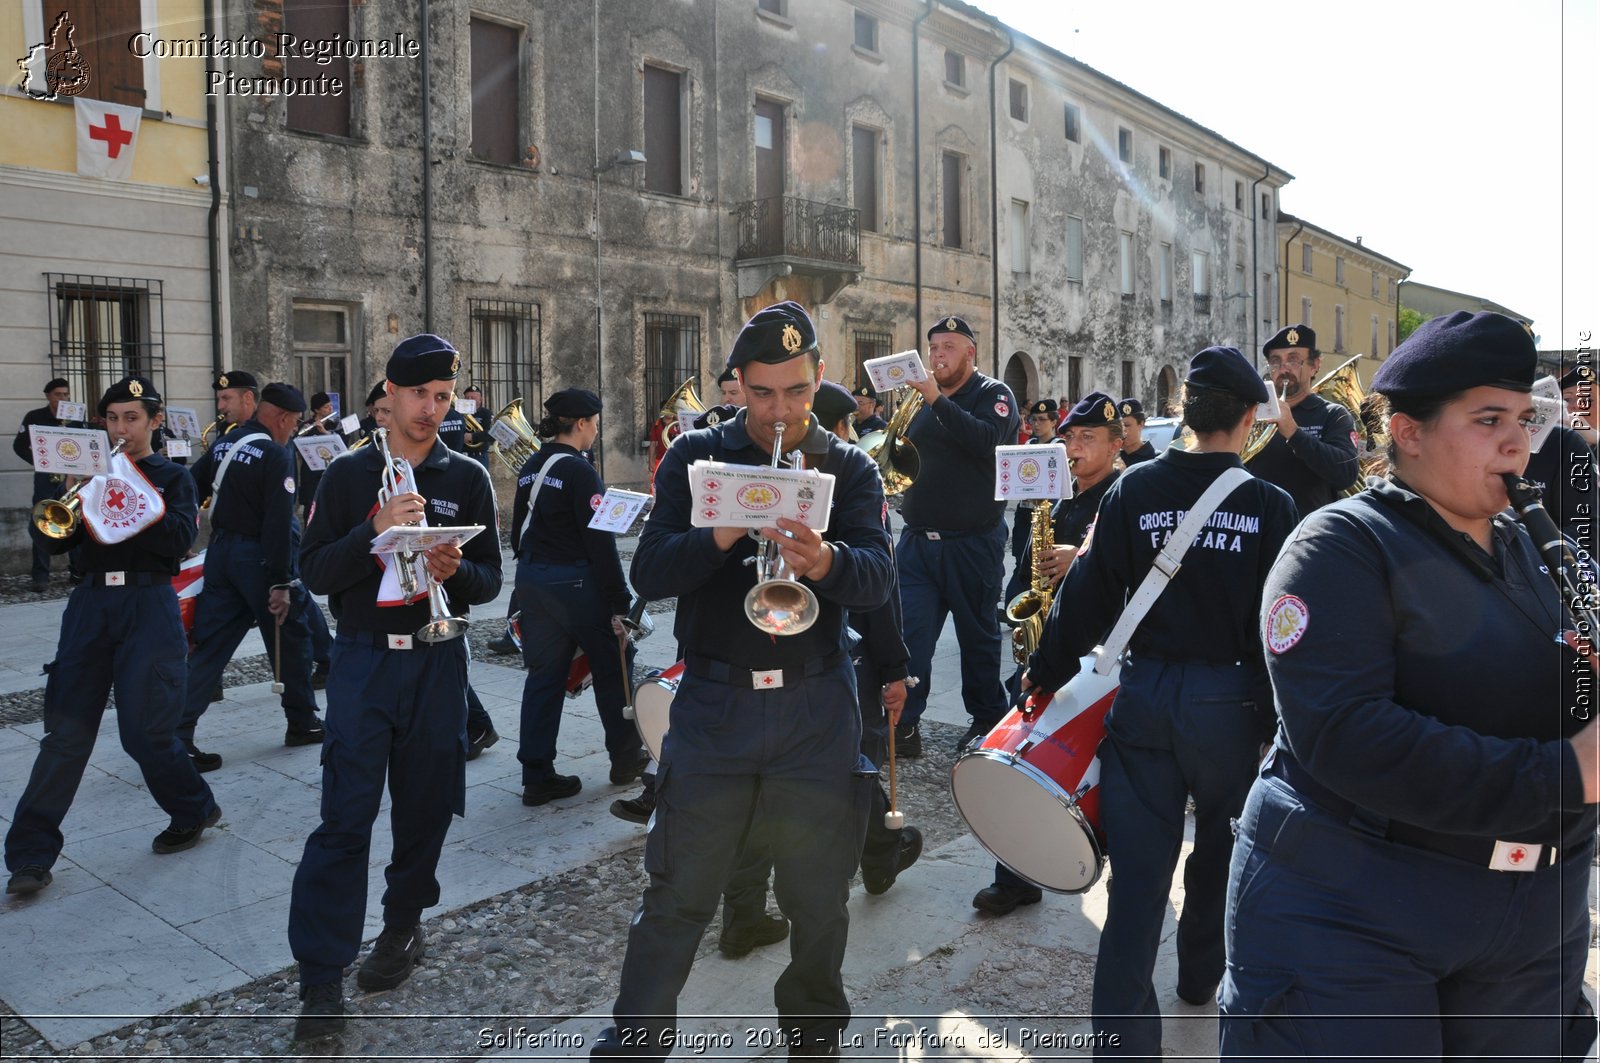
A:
<point x="413" y="539"/>
<point x="618" y="510"/>
<point x="349" y="424"/>
<point x="467" y="406"/>
<point x="893" y="370"/>
<point x="1031" y="472"/>
<point x="70" y="451"/>
<point x="685" y="423"/>
<point x="183" y="421"/>
<point x="504" y="434"/>
<point x="319" y="450"/>
<point x="72" y="411"/>
<point x="176" y="448"/>
<point x="755" y="496"/>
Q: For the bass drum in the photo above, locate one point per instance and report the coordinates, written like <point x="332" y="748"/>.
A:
<point x="652" y="707"/>
<point x="1030" y="792"/>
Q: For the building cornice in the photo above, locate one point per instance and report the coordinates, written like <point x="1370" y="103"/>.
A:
<point x="56" y="181"/>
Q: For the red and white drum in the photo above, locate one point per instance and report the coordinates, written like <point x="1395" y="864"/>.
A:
<point x="1031" y="791"/>
<point x="652" y="706"/>
<point x="578" y="677"/>
<point x="189" y="582"/>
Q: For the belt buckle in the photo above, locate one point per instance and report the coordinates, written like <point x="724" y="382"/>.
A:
<point x="116" y="579"/>
<point x="400" y="642"/>
<point x="931" y="534"/>
<point x="767" y="680"/>
<point x="1515" y="856"/>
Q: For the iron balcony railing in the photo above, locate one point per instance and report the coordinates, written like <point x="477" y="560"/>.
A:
<point x="798" y="228"/>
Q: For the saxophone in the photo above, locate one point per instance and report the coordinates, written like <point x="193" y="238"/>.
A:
<point x="1027" y="611"/>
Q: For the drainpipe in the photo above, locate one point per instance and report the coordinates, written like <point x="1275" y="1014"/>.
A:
<point x="599" y="352"/>
<point x="1255" y="243"/>
<point x="1287" y="272"/>
<point x="213" y="219"/>
<point x="916" y="153"/>
<point x="427" y="178"/>
<point x="994" y="202"/>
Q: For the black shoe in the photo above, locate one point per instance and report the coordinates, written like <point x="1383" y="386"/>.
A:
<point x="216" y="694"/>
<point x="908" y="741"/>
<point x="974" y="734"/>
<point x="304" y="736"/>
<point x="629" y="768"/>
<point x="1003" y="900"/>
<point x="551" y="789"/>
<point x="741" y="939"/>
<point x="634" y="809"/>
<point x="477" y="743"/>
<point x="397" y="950"/>
<point x="503" y="645"/>
<point x="878" y="881"/>
<point x="175" y="839"/>
<point x="30" y="879"/>
<point x="322" y="1013"/>
<point x="41" y="585"/>
<point x="319" y="677"/>
<point x="203" y="761"/>
<point x="1197" y="998"/>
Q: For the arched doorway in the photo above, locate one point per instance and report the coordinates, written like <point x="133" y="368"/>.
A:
<point x="1020" y="377"/>
<point x="1166" y="392"/>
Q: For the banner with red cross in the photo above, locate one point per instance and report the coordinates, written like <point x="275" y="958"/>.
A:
<point x="108" y="134"/>
<point x="120" y="504"/>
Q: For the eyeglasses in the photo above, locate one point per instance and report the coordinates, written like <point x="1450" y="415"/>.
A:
<point x="1296" y="362"/>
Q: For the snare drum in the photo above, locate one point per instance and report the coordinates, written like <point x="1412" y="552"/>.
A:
<point x="1031" y="791"/>
<point x="578" y="677"/>
<point x="652" y="706"/>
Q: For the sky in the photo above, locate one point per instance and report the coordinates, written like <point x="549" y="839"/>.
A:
<point x="1459" y="138"/>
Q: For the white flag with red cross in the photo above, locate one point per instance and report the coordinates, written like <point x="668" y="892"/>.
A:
<point x="108" y="133"/>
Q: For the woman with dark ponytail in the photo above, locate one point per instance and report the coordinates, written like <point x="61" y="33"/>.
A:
<point x="572" y="594"/>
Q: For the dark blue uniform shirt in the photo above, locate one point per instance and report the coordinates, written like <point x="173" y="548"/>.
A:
<point x="258" y="495"/>
<point x="1071" y="518"/>
<point x="955" y="439"/>
<point x="336" y="557"/>
<point x="1143" y="452"/>
<point x="1208" y="613"/>
<point x="453" y="431"/>
<point x="559" y="533"/>
<point x="158" y="548"/>
<point x="871" y="424"/>
<point x="1319" y="461"/>
<point x="677" y="560"/>
<point x="1423" y="681"/>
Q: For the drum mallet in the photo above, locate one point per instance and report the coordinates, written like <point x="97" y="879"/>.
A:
<point x="894" y="819"/>
<point x="277" y="650"/>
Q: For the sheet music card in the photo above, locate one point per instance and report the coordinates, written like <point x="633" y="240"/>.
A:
<point x="618" y="510"/>
<point x="318" y="451"/>
<point x="755" y="496"/>
<point x="893" y="370"/>
<point x="414" y="539"/>
<point x="1031" y="471"/>
<point x="70" y="451"/>
<point x="183" y="421"/>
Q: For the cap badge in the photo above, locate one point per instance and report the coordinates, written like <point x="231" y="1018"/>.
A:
<point x="1292" y="337"/>
<point x="791" y="338"/>
<point x="713" y="418"/>
<point x="222" y="381"/>
<point x="455" y="365"/>
<point x="950" y="324"/>
<point x="135" y="388"/>
<point x="1127" y="409"/>
<point x="1110" y="411"/>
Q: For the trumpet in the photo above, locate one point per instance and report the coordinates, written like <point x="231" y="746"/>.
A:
<point x="778" y="604"/>
<point x="57" y="518"/>
<point x="398" y="478"/>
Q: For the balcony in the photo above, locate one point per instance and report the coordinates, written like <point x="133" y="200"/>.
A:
<point x="782" y="236"/>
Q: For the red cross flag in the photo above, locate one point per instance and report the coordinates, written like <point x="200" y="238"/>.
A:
<point x="108" y="133"/>
<point x="120" y="504"/>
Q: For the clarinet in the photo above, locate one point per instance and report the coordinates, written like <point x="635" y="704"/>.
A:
<point x="1578" y="592"/>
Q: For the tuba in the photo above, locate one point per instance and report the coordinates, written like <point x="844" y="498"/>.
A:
<point x="57" y="518"/>
<point x="1343" y="387"/>
<point x="896" y="455"/>
<point x="686" y="399"/>
<point x="778" y="604"/>
<point x="517" y="454"/>
<point x="1027" y="611"/>
<point x="219" y="427"/>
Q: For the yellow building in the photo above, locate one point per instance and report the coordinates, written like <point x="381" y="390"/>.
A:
<point x="1343" y="289"/>
<point x="102" y="272"/>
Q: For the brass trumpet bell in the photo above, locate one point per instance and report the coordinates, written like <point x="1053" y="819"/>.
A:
<point x="897" y="457"/>
<point x="56" y="518"/>
<point x="514" y="457"/>
<point x="685" y="399"/>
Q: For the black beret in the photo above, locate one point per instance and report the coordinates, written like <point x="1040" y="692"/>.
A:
<point x="235" y="378"/>
<point x="285" y="397"/>
<point x="865" y="391"/>
<point x="573" y="402"/>
<point x="1225" y="369"/>
<point x="1044" y="406"/>
<point x="716" y="415"/>
<point x="321" y="398"/>
<point x="774" y="335"/>
<point x="1450" y="354"/>
<point x="129" y="389"/>
<point x="1094" y="410"/>
<point x="952" y="324"/>
<point x="832" y="404"/>
<point x="1582" y="374"/>
<point x="421" y="359"/>
<point x="376" y="393"/>
<point x="58" y="382"/>
<point x="1291" y="336"/>
<point x="472" y="387"/>
<point x="1131" y="408"/>
<point x="727" y="376"/>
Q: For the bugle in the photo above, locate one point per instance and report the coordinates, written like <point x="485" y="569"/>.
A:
<point x="398" y="478"/>
<point x="57" y="518"/>
<point x="778" y="604"/>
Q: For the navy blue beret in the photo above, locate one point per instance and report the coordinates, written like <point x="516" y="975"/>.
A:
<point x="727" y="376"/>
<point x="376" y="393"/>
<point x="774" y="335"/>
<point x="573" y="402"/>
<point x="952" y="324"/>
<point x="1291" y="336"/>
<point x="235" y="378"/>
<point x="1044" y="406"/>
<point x="320" y="398"/>
<point x="1225" y="369"/>
<point x="865" y="391"/>
<point x="129" y="389"/>
<point x="285" y="397"/>
<point x="1452" y="353"/>
<point x="1580" y="374"/>
<point x="421" y="359"/>
<point x="832" y="404"/>
<point x="716" y="415"/>
<point x="58" y="382"/>
<point x="1131" y="408"/>
<point x="1094" y="410"/>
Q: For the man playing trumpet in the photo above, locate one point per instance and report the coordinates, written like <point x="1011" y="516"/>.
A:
<point x="1313" y="453"/>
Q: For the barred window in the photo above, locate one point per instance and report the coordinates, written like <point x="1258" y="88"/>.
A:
<point x="103" y="329"/>
<point x="504" y="359"/>
<point x="870" y="345"/>
<point x="322" y="351"/>
<point x="671" y="356"/>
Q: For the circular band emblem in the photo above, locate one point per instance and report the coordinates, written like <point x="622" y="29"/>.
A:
<point x="68" y="449"/>
<point x="1287" y="621"/>
<point x="757" y="496"/>
<point x="1028" y="471"/>
<point x="594" y="501"/>
<point x="120" y="506"/>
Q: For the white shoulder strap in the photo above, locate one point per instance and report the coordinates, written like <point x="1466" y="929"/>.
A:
<point x="1167" y="562"/>
<point x="533" y="496"/>
<point x="227" y="459"/>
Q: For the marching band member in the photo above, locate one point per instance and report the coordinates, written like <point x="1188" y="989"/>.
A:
<point x="728" y="391"/>
<point x="235" y="392"/>
<point x="1312" y="455"/>
<point x="121" y="629"/>
<point x="396" y="704"/>
<point x="572" y="594"/>
<point x="869" y="417"/>
<point x="1191" y="712"/>
<point x="764" y="729"/>
<point x="1412" y="872"/>
<point x="46" y="485"/>
<point x="251" y="569"/>
<point x="1041" y="428"/>
<point x="1135" y="447"/>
